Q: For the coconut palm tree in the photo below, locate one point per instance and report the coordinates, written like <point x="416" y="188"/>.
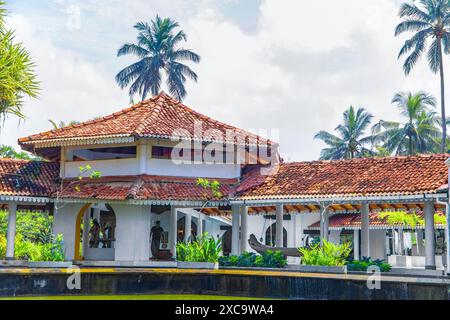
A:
<point x="430" y="21"/>
<point x="419" y="134"/>
<point x="17" y="77"/>
<point x="158" y="50"/>
<point x="350" y="143"/>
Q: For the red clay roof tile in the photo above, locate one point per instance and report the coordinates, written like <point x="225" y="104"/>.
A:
<point x="358" y="177"/>
<point x="27" y="178"/>
<point x="157" y="117"/>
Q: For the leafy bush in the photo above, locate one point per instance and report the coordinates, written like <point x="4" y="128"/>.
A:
<point x="329" y="254"/>
<point x="32" y="226"/>
<point x="366" y="262"/>
<point x="204" y="249"/>
<point x="269" y="259"/>
<point x="37" y="252"/>
<point x="2" y="246"/>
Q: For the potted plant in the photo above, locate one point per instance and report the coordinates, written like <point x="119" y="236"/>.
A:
<point x="203" y="253"/>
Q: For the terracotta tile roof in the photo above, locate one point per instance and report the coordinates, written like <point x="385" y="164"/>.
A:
<point x="158" y="188"/>
<point x="358" y="177"/>
<point x="27" y="178"/>
<point x="353" y="221"/>
<point x="157" y="117"/>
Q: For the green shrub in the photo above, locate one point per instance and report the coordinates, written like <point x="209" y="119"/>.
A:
<point x="36" y="252"/>
<point x="269" y="259"/>
<point x="32" y="226"/>
<point x="329" y="254"/>
<point x="365" y="263"/>
<point x="204" y="249"/>
<point x="2" y="246"/>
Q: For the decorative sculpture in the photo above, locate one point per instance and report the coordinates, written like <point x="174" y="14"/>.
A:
<point x="260" y="248"/>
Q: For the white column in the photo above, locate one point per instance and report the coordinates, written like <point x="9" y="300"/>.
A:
<point x="365" y="235"/>
<point x="447" y="237"/>
<point x="279" y="229"/>
<point x="356" y="245"/>
<point x="86" y="228"/>
<point x="324" y="225"/>
<point x="11" y="234"/>
<point x="173" y="231"/>
<point x="235" y="230"/>
<point x="200" y="224"/>
<point x="244" y="229"/>
<point x="430" y="244"/>
<point x="187" y="227"/>
<point x="401" y="242"/>
<point x="96" y="213"/>
<point x="142" y="153"/>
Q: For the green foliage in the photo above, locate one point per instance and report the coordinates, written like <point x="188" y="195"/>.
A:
<point x="2" y="246"/>
<point x="205" y="249"/>
<point x="32" y="226"/>
<point x="329" y="254"/>
<point x="350" y="142"/>
<point x="269" y="259"/>
<point x="213" y="186"/>
<point x="37" y="252"/>
<point x="402" y="218"/>
<point x="440" y="219"/>
<point x="419" y="133"/>
<point x="17" y="75"/>
<point x="10" y="153"/>
<point x="365" y="263"/>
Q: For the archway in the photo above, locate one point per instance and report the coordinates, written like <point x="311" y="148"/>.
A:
<point x="95" y="237"/>
<point x="271" y="236"/>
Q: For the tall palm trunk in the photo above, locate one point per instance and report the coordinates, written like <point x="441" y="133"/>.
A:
<point x="443" y="117"/>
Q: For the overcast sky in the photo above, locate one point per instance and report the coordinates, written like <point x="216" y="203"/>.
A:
<point x="291" y="65"/>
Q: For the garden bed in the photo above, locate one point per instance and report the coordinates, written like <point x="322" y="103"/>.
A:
<point x="198" y="265"/>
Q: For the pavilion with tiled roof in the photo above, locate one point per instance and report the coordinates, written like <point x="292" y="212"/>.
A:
<point x="351" y="187"/>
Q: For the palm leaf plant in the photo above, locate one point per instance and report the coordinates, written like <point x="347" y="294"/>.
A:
<point x="429" y="21"/>
<point x="158" y="50"/>
<point x="17" y="75"/>
<point x="419" y="134"/>
<point x="350" y="142"/>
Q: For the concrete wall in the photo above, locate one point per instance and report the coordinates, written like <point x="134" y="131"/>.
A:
<point x="64" y="223"/>
<point x="132" y="232"/>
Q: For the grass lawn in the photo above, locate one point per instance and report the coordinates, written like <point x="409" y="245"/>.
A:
<point x="135" y="297"/>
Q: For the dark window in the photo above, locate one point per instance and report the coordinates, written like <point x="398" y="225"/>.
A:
<point x="162" y="153"/>
<point x="104" y="153"/>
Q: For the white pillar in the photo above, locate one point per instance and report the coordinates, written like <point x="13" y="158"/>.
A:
<point x="200" y="224"/>
<point x="142" y="153"/>
<point x="235" y="230"/>
<point x="86" y="229"/>
<point x="356" y="245"/>
<point x="324" y="225"/>
<point x="173" y="231"/>
<point x="11" y="234"/>
<point x="244" y="229"/>
<point x="430" y="244"/>
<point x="401" y="242"/>
<point x="279" y="226"/>
<point x="365" y="235"/>
<point x="447" y="237"/>
<point x="187" y="227"/>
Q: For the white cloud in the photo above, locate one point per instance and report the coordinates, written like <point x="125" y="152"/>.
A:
<point x="302" y="66"/>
